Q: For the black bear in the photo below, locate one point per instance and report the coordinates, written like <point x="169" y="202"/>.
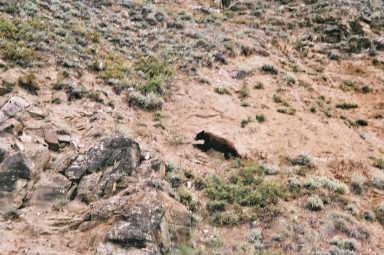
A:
<point x="217" y="143"/>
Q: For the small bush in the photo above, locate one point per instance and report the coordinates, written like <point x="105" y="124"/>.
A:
<point x="259" y="85"/>
<point x="148" y="102"/>
<point x="6" y="88"/>
<point x="314" y="203"/>
<point x="222" y="91"/>
<point x="184" y="195"/>
<point x="245" y="122"/>
<point x="260" y="118"/>
<point x="269" y="69"/>
<point x="302" y="160"/>
<point x="11" y="215"/>
<point x="362" y="123"/>
<point x="277" y="99"/>
<point x="116" y="67"/>
<point x="357" y="184"/>
<point x="95" y="96"/>
<point x="324" y="182"/>
<point x="244" y="92"/>
<point x="347" y="106"/>
<point x="287" y="110"/>
<point x="345" y="244"/>
<point x="225" y="218"/>
<point x="216" y="206"/>
<point x="154" y="67"/>
<point x="60" y="203"/>
<point x="378" y="163"/>
<point x="29" y="82"/>
<point x="379" y="211"/>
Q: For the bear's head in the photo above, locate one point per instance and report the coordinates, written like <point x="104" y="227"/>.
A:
<point x="200" y="136"/>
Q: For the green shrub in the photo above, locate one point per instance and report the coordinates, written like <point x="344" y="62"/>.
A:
<point x="6" y="88"/>
<point x="29" y="82"/>
<point x="345" y="244"/>
<point x="184" y="195"/>
<point x="216" y="206"/>
<point x="269" y="69"/>
<point x="225" y="218"/>
<point x="11" y="215"/>
<point x="287" y="110"/>
<point x="347" y="106"/>
<point x="148" y="102"/>
<point x="361" y="122"/>
<point x="245" y="122"/>
<point x="314" y="203"/>
<point x="259" y="85"/>
<point x="154" y="67"/>
<point x="323" y="182"/>
<point x="379" y="211"/>
<point x="222" y="91"/>
<point x="378" y="163"/>
<point x="244" y="92"/>
<point x="260" y="118"/>
<point x="116" y="67"/>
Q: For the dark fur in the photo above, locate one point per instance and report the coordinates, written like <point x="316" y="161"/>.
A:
<point x="220" y="144"/>
<point x="225" y="3"/>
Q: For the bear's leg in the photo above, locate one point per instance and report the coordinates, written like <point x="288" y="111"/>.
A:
<point x="203" y="147"/>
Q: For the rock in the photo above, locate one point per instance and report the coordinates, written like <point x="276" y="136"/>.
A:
<point x="51" y="139"/>
<point x="379" y="44"/>
<point x="49" y="187"/>
<point x="332" y="33"/>
<point x="88" y="191"/>
<point x="122" y="154"/>
<point x="64" y="138"/>
<point x="36" y="112"/>
<point x="256" y="238"/>
<point x="357" y="44"/>
<point x="75" y="91"/>
<point x="378" y="182"/>
<point x="139" y="228"/>
<point x="113" y="249"/>
<point x="11" y="107"/>
<point x="29" y="83"/>
<point x="270" y="169"/>
<point x="13" y="168"/>
<point x="3" y="154"/>
<point x="240" y="75"/>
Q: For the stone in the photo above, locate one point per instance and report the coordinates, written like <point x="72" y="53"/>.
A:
<point x="49" y="187"/>
<point x="36" y="112"/>
<point x="51" y="139"/>
<point x="139" y="227"/>
<point x="75" y="91"/>
<point x="87" y="191"/>
<point x="3" y="154"/>
<point x="13" y="168"/>
<point x="122" y="154"/>
<point x="11" y="107"/>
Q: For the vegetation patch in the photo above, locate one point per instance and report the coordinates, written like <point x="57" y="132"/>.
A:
<point x="29" y="83"/>
<point x="6" y="87"/>
<point x="347" y="106"/>
<point x="242" y="196"/>
<point x="323" y="182"/>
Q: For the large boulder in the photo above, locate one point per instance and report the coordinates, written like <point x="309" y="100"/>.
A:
<point x="12" y="107"/>
<point x="15" y="172"/>
<point x="13" y="168"/>
<point x="49" y="187"/>
<point x="121" y="154"/>
<point x="142" y="221"/>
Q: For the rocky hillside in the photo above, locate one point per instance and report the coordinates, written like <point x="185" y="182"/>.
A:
<point x="100" y="102"/>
